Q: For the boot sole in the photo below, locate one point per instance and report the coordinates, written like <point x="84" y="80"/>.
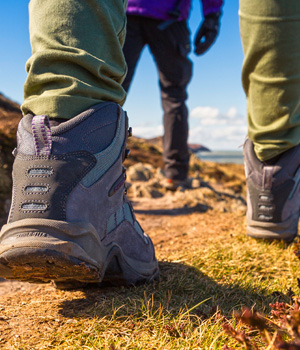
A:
<point x="40" y="251"/>
<point x="286" y="230"/>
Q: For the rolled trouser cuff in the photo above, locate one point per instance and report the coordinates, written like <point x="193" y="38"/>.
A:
<point x="76" y="56"/>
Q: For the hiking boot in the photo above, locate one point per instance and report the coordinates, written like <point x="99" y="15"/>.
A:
<point x="70" y="220"/>
<point x="273" y="195"/>
<point x="174" y="185"/>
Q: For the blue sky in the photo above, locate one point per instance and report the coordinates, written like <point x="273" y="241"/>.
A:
<point x="216" y="103"/>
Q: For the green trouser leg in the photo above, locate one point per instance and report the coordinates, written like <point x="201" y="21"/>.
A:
<point x="77" y="58"/>
<point x="271" y="73"/>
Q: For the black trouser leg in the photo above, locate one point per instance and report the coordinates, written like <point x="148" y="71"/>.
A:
<point x="175" y="147"/>
<point x="133" y="46"/>
<point x="170" y="49"/>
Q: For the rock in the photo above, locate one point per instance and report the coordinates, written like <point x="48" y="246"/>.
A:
<point x="140" y="172"/>
<point x="138" y="190"/>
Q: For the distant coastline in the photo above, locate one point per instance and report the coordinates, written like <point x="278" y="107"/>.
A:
<point x="233" y="157"/>
<point x="195" y="148"/>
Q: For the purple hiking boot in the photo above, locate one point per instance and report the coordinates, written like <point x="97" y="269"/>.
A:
<point x="273" y="195"/>
<point x="70" y="220"/>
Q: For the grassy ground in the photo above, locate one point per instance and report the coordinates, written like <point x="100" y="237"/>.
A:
<point x="207" y="272"/>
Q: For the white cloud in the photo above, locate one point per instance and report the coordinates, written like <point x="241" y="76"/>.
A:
<point x="147" y="130"/>
<point x="232" y="112"/>
<point x="232" y="133"/>
<point x="208" y="126"/>
<point x="217" y="130"/>
<point x="204" y="112"/>
<point x="213" y="121"/>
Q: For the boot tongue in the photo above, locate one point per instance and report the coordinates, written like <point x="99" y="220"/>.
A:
<point x="41" y="132"/>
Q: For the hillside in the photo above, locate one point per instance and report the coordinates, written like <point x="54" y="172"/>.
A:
<point x="193" y="147"/>
<point x="10" y="115"/>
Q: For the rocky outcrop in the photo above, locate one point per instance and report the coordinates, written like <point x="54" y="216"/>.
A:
<point x="10" y="116"/>
<point x="213" y="189"/>
<point x="195" y="147"/>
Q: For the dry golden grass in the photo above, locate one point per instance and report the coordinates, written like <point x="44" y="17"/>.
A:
<point x="206" y="273"/>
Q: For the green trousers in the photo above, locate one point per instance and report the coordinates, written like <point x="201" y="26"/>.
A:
<point x="77" y="61"/>
<point x="77" y="58"/>
<point x="270" y="32"/>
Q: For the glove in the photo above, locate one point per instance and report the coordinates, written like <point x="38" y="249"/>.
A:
<point x="207" y="33"/>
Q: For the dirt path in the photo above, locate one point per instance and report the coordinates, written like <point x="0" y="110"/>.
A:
<point x="172" y="228"/>
<point x="29" y="312"/>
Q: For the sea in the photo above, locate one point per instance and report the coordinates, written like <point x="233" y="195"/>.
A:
<point x="233" y="157"/>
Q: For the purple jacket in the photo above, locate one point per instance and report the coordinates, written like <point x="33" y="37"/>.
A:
<point x="159" y="8"/>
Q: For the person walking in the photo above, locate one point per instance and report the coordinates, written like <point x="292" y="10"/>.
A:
<point x="162" y="25"/>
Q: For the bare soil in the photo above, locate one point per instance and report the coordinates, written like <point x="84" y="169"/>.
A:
<point x="29" y="312"/>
